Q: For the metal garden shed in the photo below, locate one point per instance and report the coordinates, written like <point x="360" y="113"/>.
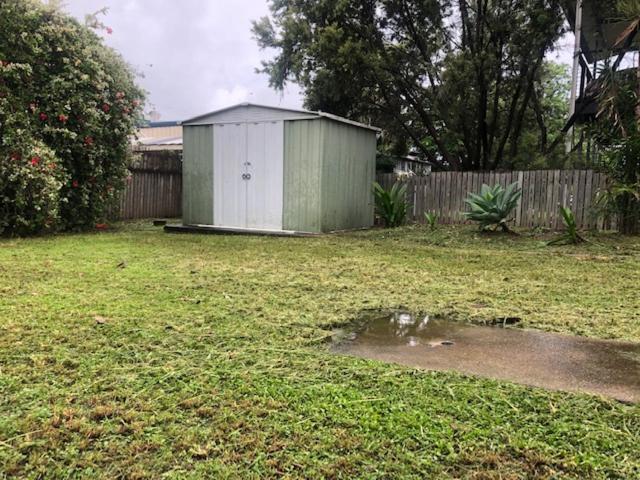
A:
<point x="269" y="169"/>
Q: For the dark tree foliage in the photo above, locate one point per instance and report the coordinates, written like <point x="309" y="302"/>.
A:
<point x="458" y="80"/>
<point x="617" y="125"/>
<point x="617" y="131"/>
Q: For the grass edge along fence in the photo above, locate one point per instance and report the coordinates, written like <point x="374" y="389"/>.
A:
<point x="543" y="193"/>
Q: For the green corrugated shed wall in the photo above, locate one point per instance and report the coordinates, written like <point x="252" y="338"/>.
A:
<point x="329" y="173"/>
<point x="329" y="169"/>
<point x="348" y="174"/>
<point x="197" y="175"/>
<point x="302" y="175"/>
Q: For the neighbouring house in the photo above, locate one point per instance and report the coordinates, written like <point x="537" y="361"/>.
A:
<point x="159" y="136"/>
<point x="408" y="165"/>
<point x="597" y="39"/>
<point x="255" y="167"/>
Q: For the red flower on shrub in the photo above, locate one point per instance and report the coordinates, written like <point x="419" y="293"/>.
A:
<point x="109" y="30"/>
<point x="43" y="116"/>
<point x="63" y="118"/>
<point x="35" y="161"/>
<point x="119" y="95"/>
<point x="106" y="107"/>
<point x="75" y="184"/>
<point x="88" y="140"/>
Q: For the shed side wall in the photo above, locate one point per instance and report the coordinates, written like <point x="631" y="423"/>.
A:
<point x="302" y="175"/>
<point x="197" y="175"/>
<point x="348" y="173"/>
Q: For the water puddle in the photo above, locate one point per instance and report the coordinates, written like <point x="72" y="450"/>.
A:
<point x="559" y="362"/>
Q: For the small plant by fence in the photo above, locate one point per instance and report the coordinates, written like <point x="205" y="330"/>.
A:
<point x="155" y="186"/>
<point x="543" y="193"/>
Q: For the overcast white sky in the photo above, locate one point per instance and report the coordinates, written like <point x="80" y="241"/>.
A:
<point x="196" y="55"/>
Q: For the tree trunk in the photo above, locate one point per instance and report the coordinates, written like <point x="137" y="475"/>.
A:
<point x="537" y="109"/>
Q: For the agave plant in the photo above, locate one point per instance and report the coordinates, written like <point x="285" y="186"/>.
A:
<point x="432" y="219"/>
<point x="570" y="234"/>
<point x="391" y="205"/>
<point x="493" y="206"/>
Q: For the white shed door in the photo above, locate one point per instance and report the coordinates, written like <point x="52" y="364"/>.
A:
<point x="265" y="154"/>
<point x="229" y="188"/>
<point x="248" y="175"/>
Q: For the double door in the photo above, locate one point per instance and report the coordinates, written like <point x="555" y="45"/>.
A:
<point x="248" y="175"/>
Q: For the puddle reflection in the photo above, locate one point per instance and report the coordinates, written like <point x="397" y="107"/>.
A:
<point x="549" y="360"/>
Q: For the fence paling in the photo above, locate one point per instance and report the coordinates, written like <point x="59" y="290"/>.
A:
<point x="543" y="193"/>
<point x="155" y="187"/>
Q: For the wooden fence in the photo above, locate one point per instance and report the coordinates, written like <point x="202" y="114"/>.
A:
<point x="543" y="192"/>
<point x="154" y="188"/>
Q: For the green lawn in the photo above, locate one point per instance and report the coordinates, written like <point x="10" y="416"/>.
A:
<point x="134" y="354"/>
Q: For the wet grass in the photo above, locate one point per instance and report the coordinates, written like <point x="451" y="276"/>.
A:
<point x="137" y="354"/>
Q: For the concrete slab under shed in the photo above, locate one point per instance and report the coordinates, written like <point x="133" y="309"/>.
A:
<point x="211" y="229"/>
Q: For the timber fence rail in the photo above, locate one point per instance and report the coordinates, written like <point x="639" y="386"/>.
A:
<point x="543" y="193"/>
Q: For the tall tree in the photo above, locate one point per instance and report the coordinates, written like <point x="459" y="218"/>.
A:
<point x="457" y="78"/>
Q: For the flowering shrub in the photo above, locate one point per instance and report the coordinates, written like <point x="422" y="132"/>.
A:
<point x="70" y="102"/>
<point x="30" y="182"/>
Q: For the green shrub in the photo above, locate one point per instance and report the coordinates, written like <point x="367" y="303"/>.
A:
<point x="432" y="219"/>
<point x="570" y="235"/>
<point x="30" y="182"/>
<point x="621" y="200"/>
<point x="493" y="206"/>
<point x="391" y="205"/>
<point x="63" y="89"/>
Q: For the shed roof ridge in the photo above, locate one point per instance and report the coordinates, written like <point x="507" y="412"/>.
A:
<point x="285" y="109"/>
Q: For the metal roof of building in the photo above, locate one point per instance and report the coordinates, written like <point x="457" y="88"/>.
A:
<point x="298" y="112"/>
<point x="165" y="123"/>
<point x="160" y="141"/>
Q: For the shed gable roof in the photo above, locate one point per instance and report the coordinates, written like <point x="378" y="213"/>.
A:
<point x="244" y="112"/>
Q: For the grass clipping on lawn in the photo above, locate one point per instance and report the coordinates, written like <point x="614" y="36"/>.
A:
<point x="137" y="354"/>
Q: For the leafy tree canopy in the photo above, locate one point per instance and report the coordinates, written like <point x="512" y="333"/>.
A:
<point x="461" y="81"/>
<point x="68" y="104"/>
